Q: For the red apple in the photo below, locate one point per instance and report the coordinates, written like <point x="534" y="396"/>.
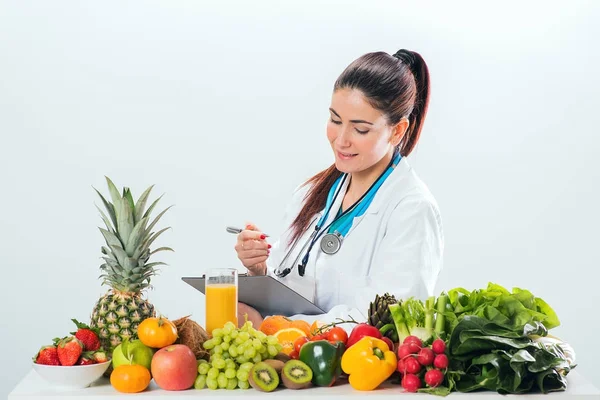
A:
<point x="174" y="367"/>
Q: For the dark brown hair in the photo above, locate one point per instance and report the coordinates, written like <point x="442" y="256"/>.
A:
<point x="397" y="86"/>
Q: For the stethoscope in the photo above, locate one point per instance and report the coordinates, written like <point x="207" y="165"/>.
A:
<point x="332" y="242"/>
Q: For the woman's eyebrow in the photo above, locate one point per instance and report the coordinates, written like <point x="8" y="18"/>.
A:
<point x="355" y="121"/>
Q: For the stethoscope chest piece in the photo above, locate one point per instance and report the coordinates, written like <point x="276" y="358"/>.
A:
<point x="331" y="243"/>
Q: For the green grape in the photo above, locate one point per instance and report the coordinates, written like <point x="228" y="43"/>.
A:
<point x="203" y="368"/>
<point x="262" y="348"/>
<point x="226" y="339"/>
<point x="241" y="359"/>
<point x="250" y="353"/>
<point x="234" y="334"/>
<point x="201" y="361"/>
<point x="200" y="382"/>
<point x="233" y="351"/>
<point x="215" y="356"/>
<point x="219" y="364"/>
<point x="272" y="350"/>
<point x="243" y="384"/>
<point x="256" y="344"/>
<point x="241" y="348"/>
<point x="227" y="330"/>
<point x="252" y="332"/>
<point x="211" y="383"/>
<point x="242" y="375"/>
<point x="218" y="340"/>
<point x="226" y="355"/>
<point x="232" y="383"/>
<point x="230" y="373"/>
<point x="209" y="344"/>
<point x="212" y="373"/>
<point x="244" y="336"/>
<point x="257" y="358"/>
<point x="264" y="354"/>
<point x="230" y="364"/>
<point x="218" y="350"/>
<point x="225" y="345"/>
<point x="230" y="325"/>
<point x="217" y="332"/>
<point x="247" y="366"/>
<point x="272" y="340"/>
<point x="238" y="340"/>
<point x="222" y="380"/>
<point x="260" y="335"/>
<point x="279" y="347"/>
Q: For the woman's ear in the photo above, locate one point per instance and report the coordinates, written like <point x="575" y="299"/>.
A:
<point x="399" y="131"/>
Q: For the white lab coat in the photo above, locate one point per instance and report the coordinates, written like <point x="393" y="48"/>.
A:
<point x="396" y="246"/>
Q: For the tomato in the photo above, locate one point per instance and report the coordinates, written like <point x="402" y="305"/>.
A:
<point x="317" y="337"/>
<point x="337" y="334"/>
<point x="157" y="332"/>
<point x="293" y="355"/>
<point x="299" y="342"/>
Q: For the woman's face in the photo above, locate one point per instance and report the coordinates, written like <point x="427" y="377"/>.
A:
<point x="359" y="134"/>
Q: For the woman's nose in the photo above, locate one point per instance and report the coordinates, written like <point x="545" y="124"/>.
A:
<point x="343" y="138"/>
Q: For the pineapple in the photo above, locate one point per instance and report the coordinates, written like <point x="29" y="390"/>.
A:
<point x="380" y="315"/>
<point x="126" y="269"/>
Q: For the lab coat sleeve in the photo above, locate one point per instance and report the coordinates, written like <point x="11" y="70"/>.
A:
<point x="406" y="263"/>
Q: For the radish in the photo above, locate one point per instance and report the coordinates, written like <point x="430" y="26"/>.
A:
<point x="412" y="365"/>
<point x="414" y="343"/>
<point x="434" y="377"/>
<point x="411" y="383"/>
<point x="413" y="339"/>
<point x="404" y="351"/>
<point x="438" y="346"/>
<point x="425" y="356"/>
<point x="440" y="361"/>
<point x="401" y="367"/>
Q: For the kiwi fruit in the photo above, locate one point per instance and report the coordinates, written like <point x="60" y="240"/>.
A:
<point x="263" y="377"/>
<point x="276" y="364"/>
<point x="282" y="357"/>
<point x="296" y="375"/>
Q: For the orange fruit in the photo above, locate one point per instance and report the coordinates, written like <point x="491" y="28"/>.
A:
<point x="274" y="323"/>
<point x="130" y="378"/>
<point x="157" y="332"/>
<point x="315" y="327"/>
<point x="287" y="337"/>
<point x="302" y="325"/>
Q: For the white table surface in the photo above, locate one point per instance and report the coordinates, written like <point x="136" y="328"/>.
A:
<point x="35" y="387"/>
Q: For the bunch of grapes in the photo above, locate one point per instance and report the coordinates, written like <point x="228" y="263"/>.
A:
<point x="233" y="353"/>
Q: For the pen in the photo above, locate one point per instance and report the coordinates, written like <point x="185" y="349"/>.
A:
<point x="234" y="230"/>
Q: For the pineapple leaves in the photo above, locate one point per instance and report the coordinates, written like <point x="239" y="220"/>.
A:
<point x="147" y="213"/>
<point x="141" y="205"/>
<point x="106" y="221"/>
<point x="127" y="195"/>
<point x="136" y="236"/>
<point x="111" y="239"/>
<point x="157" y="218"/>
<point x="161" y="249"/>
<point x="109" y="207"/>
<point x="114" y="193"/>
<point x="125" y="220"/>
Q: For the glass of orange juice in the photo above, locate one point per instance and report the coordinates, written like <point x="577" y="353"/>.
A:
<point x="221" y="293"/>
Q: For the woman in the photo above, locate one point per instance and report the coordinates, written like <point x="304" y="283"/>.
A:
<point x="371" y="224"/>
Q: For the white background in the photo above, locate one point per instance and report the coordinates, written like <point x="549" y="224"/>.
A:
<point x="223" y="106"/>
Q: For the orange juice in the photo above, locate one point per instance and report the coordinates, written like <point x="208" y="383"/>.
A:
<point x="221" y="305"/>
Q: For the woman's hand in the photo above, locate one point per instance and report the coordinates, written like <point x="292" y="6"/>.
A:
<point x="253" y="250"/>
<point x="253" y="315"/>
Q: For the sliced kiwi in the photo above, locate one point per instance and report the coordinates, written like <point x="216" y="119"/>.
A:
<point x="276" y="364"/>
<point x="296" y="375"/>
<point x="263" y="377"/>
<point x="282" y="357"/>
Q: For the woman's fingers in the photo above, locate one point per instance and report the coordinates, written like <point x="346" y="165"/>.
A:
<point x="250" y="262"/>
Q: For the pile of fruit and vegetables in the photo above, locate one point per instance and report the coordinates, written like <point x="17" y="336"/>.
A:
<point x="485" y="339"/>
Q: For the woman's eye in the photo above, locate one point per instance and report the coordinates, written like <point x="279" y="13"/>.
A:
<point x="361" y="132"/>
<point x="335" y="122"/>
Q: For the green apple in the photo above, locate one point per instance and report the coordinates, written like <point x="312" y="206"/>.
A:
<point x="138" y="352"/>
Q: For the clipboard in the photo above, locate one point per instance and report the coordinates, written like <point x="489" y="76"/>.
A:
<point x="266" y="294"/>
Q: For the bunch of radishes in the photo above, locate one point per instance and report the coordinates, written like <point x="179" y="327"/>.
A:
<point x="416" y="362"/>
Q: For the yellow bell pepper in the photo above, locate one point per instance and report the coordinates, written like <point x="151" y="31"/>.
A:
<point x="368" y="363"/>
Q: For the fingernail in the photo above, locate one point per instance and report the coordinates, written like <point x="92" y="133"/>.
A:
<point x="268" y="246"/>
<point x="263" y="237"/>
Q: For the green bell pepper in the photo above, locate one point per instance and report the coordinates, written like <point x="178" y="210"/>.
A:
<point x="324" y="359"/>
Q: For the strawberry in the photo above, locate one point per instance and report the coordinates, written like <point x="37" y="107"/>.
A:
<point x="47" y="356"/>
<point x="100" y="356"/>
<point x="86" y="358"/>
<point x="87" y="335"/>
<point x="69" y="349"/>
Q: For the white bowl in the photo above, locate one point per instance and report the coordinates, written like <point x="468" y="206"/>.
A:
<point x="74" y="377"/>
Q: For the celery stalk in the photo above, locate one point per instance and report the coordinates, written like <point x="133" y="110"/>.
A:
<point x="429" y="310"/>
<point x="399" y="321"/>
<point x="440" y="320"/>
